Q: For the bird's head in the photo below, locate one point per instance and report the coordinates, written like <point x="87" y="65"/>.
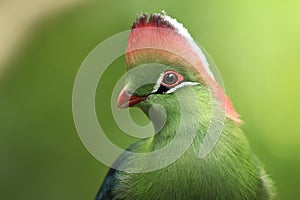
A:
<point x="162" y="59"/>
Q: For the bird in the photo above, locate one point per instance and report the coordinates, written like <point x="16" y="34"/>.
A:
<point x="175" y="66"/>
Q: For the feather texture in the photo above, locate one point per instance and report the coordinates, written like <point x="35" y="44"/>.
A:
<point x="229" y="171"/>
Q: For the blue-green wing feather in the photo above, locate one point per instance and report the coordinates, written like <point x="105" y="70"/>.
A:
<point x="106" y="190"/>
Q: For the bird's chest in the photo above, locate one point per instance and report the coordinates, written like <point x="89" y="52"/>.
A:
<point x="186" y="178"/>
<point x="180" y="180"/>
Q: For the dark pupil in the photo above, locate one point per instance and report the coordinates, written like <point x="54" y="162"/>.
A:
<point x="170" y="78"/>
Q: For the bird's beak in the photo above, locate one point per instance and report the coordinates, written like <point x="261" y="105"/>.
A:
<point x="127" y="100"/>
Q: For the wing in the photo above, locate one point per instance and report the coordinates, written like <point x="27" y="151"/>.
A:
<point x="105" y="192"/>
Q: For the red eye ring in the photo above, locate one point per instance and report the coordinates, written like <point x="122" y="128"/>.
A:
<point x="171" y="78"/>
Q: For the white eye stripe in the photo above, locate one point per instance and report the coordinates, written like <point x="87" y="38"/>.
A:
<point x="173" y="89"/>
<point x="182" y="84"/>
<point x="157" y="85"/>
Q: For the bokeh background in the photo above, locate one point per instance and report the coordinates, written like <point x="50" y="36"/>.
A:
<point x="255" y="44"/>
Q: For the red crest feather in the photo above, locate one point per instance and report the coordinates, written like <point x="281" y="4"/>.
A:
<point x="160" y="38"/>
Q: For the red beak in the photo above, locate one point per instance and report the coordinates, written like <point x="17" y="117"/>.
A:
<point x="127" y="100"/>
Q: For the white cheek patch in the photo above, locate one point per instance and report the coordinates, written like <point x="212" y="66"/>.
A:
<point x="173" y="89"/>
<point x="157" y="85"/>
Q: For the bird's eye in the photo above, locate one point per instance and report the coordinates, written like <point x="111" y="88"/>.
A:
<point x="171" y="78"/>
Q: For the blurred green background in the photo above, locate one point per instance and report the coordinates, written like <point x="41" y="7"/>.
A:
<point x="255" y="44"/>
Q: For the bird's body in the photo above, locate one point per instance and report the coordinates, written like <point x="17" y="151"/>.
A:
<point x="230" y="171"/>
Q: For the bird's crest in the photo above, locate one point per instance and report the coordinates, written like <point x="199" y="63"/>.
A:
<point x="155" y="20"/>
<point x="159" y="38"/>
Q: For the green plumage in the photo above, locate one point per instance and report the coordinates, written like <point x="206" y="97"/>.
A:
<point x="230" y="171"/>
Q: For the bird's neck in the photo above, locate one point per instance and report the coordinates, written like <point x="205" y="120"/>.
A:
<point x="186" y="118"/>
